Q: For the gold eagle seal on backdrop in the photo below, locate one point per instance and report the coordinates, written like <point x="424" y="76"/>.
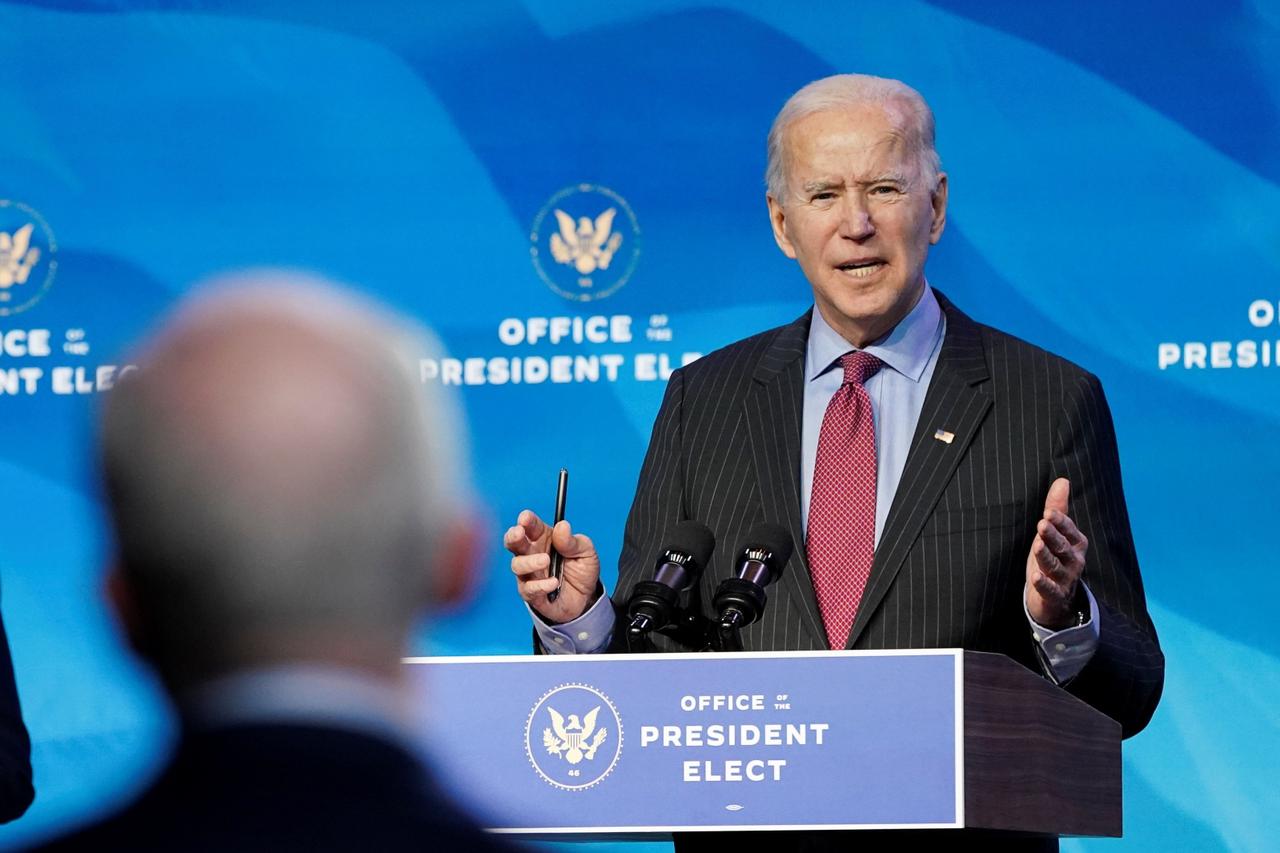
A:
<point x="589" y="246"/>
<point x="585" y="242"/>
<point x="28" y="257"/>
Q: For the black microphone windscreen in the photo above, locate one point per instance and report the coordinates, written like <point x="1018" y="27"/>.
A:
<point x="693" y="538"/>
<point x="770" y="537"/>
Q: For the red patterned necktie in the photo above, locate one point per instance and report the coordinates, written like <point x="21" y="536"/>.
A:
<point x="842" y="509"/>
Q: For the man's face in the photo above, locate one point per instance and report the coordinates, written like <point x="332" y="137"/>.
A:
<point x="858" y="216"/>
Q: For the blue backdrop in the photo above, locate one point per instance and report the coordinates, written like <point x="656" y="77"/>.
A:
<point x="1114" y="197"/>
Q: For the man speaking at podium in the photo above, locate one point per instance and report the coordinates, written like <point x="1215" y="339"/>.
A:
<point x="946" y="484"/>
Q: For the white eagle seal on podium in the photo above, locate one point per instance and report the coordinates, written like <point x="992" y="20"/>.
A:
<point x="572" y="740"/>
<point x="583" y="742"/>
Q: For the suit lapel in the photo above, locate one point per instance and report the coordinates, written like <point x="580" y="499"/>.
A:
<point x="774" y="407"/>
<point x="957" y="402"/>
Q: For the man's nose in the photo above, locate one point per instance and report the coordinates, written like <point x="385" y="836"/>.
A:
<point x="855" y="218"/>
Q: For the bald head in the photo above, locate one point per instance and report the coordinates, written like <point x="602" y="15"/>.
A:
<point x="279" y="480"/>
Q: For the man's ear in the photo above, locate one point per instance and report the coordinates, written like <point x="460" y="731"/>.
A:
<point x="939" y="202"/>
<point x="462" y="548"/>
<point x="778" y="220"/>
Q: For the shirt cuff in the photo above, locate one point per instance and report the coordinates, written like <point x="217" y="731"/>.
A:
<point x="1064" y="653"/>
<point x="588" y="634"/>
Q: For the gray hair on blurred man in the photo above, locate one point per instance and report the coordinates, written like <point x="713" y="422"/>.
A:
<point x="287" y="499"/>
<point x="275" y="466"/>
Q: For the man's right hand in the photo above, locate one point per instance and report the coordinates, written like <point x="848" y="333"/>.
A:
<point x="530" y="542"/>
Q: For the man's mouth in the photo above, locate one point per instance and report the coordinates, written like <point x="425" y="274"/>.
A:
<point x="861" y="269"/>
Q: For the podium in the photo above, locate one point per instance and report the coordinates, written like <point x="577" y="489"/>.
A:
<point x="645" y="745"/>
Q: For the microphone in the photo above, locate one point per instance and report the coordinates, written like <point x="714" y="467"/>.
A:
<point x="741" y="599"/>
<point x="653" y="603"/>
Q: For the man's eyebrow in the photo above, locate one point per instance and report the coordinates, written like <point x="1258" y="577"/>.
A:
<point x="886" y="178"/>
<point x="821" y="185"/>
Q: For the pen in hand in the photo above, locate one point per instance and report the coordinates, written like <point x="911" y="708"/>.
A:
<point x="557" y="561"/>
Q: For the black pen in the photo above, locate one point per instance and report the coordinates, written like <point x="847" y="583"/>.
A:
<point x="557" y="562"/>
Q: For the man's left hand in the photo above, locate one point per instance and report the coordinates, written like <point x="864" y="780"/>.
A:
<point x="1056" y="562"/>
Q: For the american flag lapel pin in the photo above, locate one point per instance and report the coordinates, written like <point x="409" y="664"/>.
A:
<point x="944" y="436"/>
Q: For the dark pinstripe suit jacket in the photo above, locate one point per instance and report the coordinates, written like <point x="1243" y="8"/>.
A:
<point x="950" y="566"/>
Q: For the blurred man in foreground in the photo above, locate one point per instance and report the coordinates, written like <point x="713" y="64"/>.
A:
<point x="284" y="497"/>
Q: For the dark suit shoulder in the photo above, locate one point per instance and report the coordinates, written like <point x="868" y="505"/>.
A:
<point x="1004" y="346"/>
<point x="1000" y="347"/>
<point x="1041" y="383"/>
<point x="1019" y="368"/>
<point x="750" y="357"/>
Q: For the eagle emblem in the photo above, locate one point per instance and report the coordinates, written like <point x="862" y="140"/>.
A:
<point x="572" y="739"/>
<point x="17" y="256"/>
<point x="587" y="245"/>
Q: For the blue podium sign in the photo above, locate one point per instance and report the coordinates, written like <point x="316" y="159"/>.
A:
<point x="660" y="743"/>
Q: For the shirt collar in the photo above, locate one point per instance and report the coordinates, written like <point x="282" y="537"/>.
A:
<point x="906" y="348"/>
<point x="301" y="694"/>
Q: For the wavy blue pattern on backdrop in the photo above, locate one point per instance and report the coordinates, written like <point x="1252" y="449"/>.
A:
<point x="1114" y="187"/>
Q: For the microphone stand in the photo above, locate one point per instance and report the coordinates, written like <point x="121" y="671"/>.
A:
<point x="689" y="629"/>
<point x="729" y="632"/>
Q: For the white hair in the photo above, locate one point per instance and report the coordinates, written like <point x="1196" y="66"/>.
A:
<point x="275" y="463"/>
<point x="843" y="91"/>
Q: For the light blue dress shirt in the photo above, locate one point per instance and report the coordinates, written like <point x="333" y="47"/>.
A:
<point x="910" y="353"/>
<point x="897" y="391"/>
